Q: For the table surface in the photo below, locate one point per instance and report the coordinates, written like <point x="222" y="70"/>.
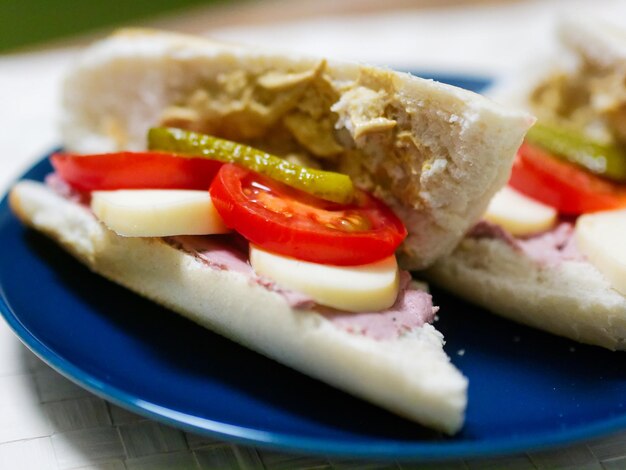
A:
<point x="47" y="422"/>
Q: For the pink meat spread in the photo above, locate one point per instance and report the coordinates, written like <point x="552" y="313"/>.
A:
<point x="230" y="253"/>
<point x="548" y="248"/>
<point x="412" y="309"/>
<point x="59" y="186"/>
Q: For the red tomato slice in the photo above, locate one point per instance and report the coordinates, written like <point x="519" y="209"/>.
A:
<point x="289" y="222"/>
<point x="134" y="170"/>
<point x="561" y="185"/>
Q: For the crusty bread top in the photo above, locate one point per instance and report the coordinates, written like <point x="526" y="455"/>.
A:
<point x="435" y="153"/>
<point x="580" y="86"/>
<point x="597" y="41"/>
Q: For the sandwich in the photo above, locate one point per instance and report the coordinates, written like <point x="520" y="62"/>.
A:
<point x="326" y="182"/>
<point x="550" y="250"/>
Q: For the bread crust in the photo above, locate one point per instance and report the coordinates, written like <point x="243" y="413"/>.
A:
<point x="410" y="376"/>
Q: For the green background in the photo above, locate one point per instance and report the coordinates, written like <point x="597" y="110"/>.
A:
<point x="25" y="23"/>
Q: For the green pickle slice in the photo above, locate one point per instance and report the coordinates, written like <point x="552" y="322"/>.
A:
<point x="602" y="159"/>
<point x="326" y="185"/>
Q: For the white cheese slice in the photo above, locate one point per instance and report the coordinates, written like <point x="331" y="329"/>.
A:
<point x="519" y="214"/>
<point x="365" y="288"/>
<point x="601" y="237"/>
<point x="157" y="212"/>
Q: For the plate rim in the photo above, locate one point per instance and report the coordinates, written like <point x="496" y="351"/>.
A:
<point x="374" y="449"/>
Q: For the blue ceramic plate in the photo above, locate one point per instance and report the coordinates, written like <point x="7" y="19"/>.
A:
<point x="527" y="389"/>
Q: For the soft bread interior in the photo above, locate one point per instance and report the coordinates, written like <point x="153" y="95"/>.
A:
<point x="435" y="153"/>
<point x="410" y="375"/>
<point x="583" y="87"/>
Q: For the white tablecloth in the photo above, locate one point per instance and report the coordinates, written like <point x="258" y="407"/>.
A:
<point x="46" y="422"/>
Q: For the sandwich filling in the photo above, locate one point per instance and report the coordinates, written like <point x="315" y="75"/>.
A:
<point x="410" y="308"/>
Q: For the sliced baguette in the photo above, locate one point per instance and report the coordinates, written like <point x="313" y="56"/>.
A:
<point x="410" y="375"/>
<point x="570" y="298"/>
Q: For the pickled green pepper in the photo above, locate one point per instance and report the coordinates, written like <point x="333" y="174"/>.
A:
<point x="327" y="185"/>
<point x="602" y="159"/>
